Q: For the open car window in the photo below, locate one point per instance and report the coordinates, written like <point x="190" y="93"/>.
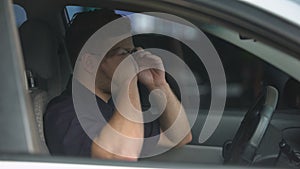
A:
<point x="249" y="65"/>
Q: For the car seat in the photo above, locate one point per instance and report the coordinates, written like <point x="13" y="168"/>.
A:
<point x="47" y="67"/>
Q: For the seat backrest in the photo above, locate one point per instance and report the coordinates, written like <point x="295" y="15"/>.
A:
<point x="47" y="67"/>
<point x="45" y="56"/>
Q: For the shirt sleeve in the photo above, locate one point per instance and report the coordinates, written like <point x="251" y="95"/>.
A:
<point x="63" y="132"/>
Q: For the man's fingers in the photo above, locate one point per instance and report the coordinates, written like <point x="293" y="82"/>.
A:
<point x="139" y="48"/>
<point x="150" y="61"/>
<point x="141" y="54"/>
<point x="145" y="57"/>
<point x="147" y="60"/>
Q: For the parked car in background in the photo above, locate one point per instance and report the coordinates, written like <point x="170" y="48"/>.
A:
<point x="258" y="47"/>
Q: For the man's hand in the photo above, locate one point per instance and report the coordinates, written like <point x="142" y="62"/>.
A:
<point x="153" y="77"/>
<point x="152" y="73"/>
<point x="125" y="72"/>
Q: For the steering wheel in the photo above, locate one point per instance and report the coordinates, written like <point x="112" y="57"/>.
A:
<point x="242" y="149"/>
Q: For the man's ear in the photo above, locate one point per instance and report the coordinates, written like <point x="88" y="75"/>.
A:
<point x="89" y="62"/>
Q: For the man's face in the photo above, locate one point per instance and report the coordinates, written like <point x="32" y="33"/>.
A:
<point x="110" y="62"/>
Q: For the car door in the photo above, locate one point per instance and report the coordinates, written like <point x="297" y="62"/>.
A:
<point x="16" y="112"/>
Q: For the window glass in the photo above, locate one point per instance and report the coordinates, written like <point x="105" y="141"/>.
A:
<point x="72" y="10"/>
<point x="246" y="74"/>
<point x="20" y="14"/>
<point x="123" y="13"/>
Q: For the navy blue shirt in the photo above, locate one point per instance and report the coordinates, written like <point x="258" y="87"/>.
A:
<point x="64" y="133"/>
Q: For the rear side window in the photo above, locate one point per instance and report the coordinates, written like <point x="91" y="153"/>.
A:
<point x="20" y="14"/>
<point x="72" y="10"/>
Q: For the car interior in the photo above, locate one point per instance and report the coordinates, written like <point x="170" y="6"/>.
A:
<point x="262" y="103"/>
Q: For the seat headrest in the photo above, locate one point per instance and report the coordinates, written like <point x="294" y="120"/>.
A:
<point x="40" y="44"/>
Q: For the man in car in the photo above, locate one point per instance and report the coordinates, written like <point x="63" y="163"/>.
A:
<point x="117" y="136"/>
